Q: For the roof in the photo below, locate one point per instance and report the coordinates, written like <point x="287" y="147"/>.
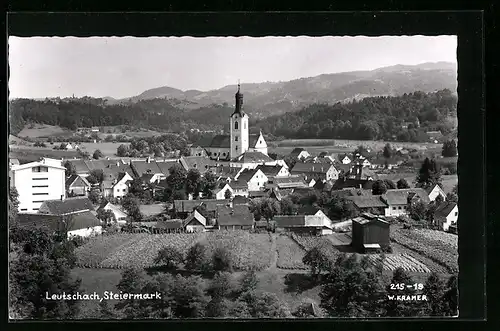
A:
<point x="372" y="219"/>
<point x="195" y="216"/>
<point x="165" y="166"/>
<point x="432" y="187"/>
<point x="401" y="196"/>
<point x="238" y="184"/>
<point x="77" y="221"/>
<point x="203" y="142"/>
<point x="247" y="174"/>
<point x="236" y="215"/>
<point x="373" y="201"/>
<point x="353" y="183"/>
<point x="144" y="167"/>
<point x="257" y="194"/>
<point x="74" y="178"/>
<point x="320" y="168"/>
<point x="284" y="221"/>
<point x="221" y="141"/>
<point x="320" y="185"/>
<point x="190" y="205"/>
<point x="196" y="162"/>
<point x="225" y="171"/>
<point x="445" y="208"/>
<point x="108" y="204"/>
<point x="343" y="167"/>
<point x="269" y="170"/>
<point x="80" y="166"/>
<point x="297" y="151"/>
<point x="45" y="162"/>
<point x="67" y="206"/>
<point x="240" y="200"/>
<point x="253" y="138"/>
<point x="249" y="157"/>
<point x="152" y="210"/>
<point x="308" y="210"/>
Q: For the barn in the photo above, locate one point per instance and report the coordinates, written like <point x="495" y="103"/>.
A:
<point x="370" y="233"/>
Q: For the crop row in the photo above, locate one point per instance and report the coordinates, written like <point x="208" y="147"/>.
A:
<point x="325" y="245"/>
<point x="406" y="262"/>
<point x="290" y="254"/>
<point x="429" y="248"/>
<point x="444" y="238"/>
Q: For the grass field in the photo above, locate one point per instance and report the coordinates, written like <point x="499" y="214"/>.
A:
<point x="30" y="154"/>
<point x="448" y="181"/>
<point x="43" y="131"/>
<point x="107" y="148"/>
<point x="116" y="130"/>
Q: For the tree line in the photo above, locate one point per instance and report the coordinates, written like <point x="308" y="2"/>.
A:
<point x="402" y="118"/>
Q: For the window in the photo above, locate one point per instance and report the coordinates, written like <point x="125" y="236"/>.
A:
<point x="394" y="208"/>
<point x="37" y="201"/>
<point x="223" y="154"/>
<point x="39" y="169"/>
<point x="399" y="207"/>
<point x="236" y="148"/>
<point x="36" y="209"/>
<point x="244" y="125"/>
<point x="236" y="138"/>
<point x="236" y="125"/>
<point x="456" y="213"/>
<point x="24" y="209"/>
<point x="35" y="186"/>
<point x="40" y="194"/>
<point x="41" y="178"/>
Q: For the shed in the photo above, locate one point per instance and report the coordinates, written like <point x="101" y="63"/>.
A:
<point x="370" y="232"/>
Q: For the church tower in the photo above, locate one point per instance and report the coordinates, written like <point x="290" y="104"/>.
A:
<point x="238" y="127"/>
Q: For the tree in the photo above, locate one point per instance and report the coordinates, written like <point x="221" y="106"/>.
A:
<point x="189" y="300"/>
<point x="105" y="311"/>
<point x="387" y="151"/>
<point x="249" y="281"/>
<point x="389" y="184"/>
<point x="131" y="205"/>
<point x="170" y="257"/>
<point x="122" y="150"/>
<point x="70" y="169"/>
<point x="221" y="286"/>
<point x="450" y="297"/>
<point x="269" y="208"/>
<point x="94" y="196"/>
<point x="379" y="187"/>
<point x="418" y="211"/>
<point x="177" y="178"/>
<point x="449" y="148"/>
<point x="429" y="174"/>
<point x="434" y="289"/>
<point x="306" y="310"/>
<point x="97" y="154"/>
<point x="228" y="194"/>
<point x="402" y="184"/>
<point x="98" y="174"/>
<point x="197" y="258"/>
<point x="106" y="216"/>
<point x="132" y="281"/>
<point x="13" y="206"/>
<point x="209" y="184"/>
<point x="317" y="261"/>
<point x="265" y="305"/>
<point x="287" y="206"/>
<point x="222" y="260"/>
<point x="193" y="182"/>
<point x="398" y="286"/>
<point x="353" y="288"/>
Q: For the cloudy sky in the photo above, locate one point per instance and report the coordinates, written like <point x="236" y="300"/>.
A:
<point x="124" y="67"/>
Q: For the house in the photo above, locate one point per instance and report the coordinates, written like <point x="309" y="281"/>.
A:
<point x="83" y="224"/>
<point x="398" y="200"/>
<point x="197" y="150"/>
<point x="364" y="162"/>
<point x="316" y="224"/>
<point x="274" y="171"/>
<point x="149" y="167"/>
<point x="279" y="194"/>
<point x="258" y="194"/>
<point x="369" y="203"/>
<point x="237" y="217"/>
<point x="299" y="153"/>
<point x="239" y="187"/>
<point x="120" y="214"/>
<point x="66" y="206"/>
<point x="166" y="165"/>
<point x="383" y="163"/>
<point x="116" y="187"/>
<point x="435" y="136"/>
<point x="290" y="182"/>
<point x="226" y="173"/>
<point x="325" y="186"/>
<point x="349" y="183"/>
<point x="435" y="191"/>
<point x="94" y="129"/>
<point x="252" y="159"/>
<point x="183" y="208"/>
<point x="195" y="222"/>
<point x="77" y="186"/>
<point x="360" y="172"/>
<point x="370" y="232"/>
<point x="345" y="159"/>
<point x="316" y="171"/>
<point x="37" y="182"/>
<point x="202" y="164"/>
<point x="446" y="215"/>
<point x="220" y="191"/>
<point x="255" y="179"/>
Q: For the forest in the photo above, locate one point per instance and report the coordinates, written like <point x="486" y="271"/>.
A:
<point x="402" y="118"/>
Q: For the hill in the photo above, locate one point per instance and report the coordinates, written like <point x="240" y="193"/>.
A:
<point x="275" y="98"/>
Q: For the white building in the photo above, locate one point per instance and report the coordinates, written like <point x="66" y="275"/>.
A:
<point x="436" y="191"/>
<point x="120" y="214"/>
<point x="37" y="182"/>
<point x="446" y="215"/>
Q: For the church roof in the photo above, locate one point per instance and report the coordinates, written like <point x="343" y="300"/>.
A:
<point x="221" y="141"/>
<point x="253" y="138"/>
<point x="248" y="157"/>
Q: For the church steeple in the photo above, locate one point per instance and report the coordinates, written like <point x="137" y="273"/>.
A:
<point x="239" y="101"/>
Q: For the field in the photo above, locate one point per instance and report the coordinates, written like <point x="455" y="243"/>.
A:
<point x="107" y="148"/>
<point x="43" y="131"/>
<point x="290" y="254"/>
<point x="116" y="130"/>
<point x="30" y="154"/>
<point x="448" y="181"/>
<point x="248" y="250"/>
<point x="129" y="250"/>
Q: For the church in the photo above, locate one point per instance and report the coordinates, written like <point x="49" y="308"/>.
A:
<point x="239" y="147"/>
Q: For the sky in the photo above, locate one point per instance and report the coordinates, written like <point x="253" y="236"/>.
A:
<point x="122" y="67"/>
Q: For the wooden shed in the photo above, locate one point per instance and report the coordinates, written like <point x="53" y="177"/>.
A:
<point x="370" y="233"/>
